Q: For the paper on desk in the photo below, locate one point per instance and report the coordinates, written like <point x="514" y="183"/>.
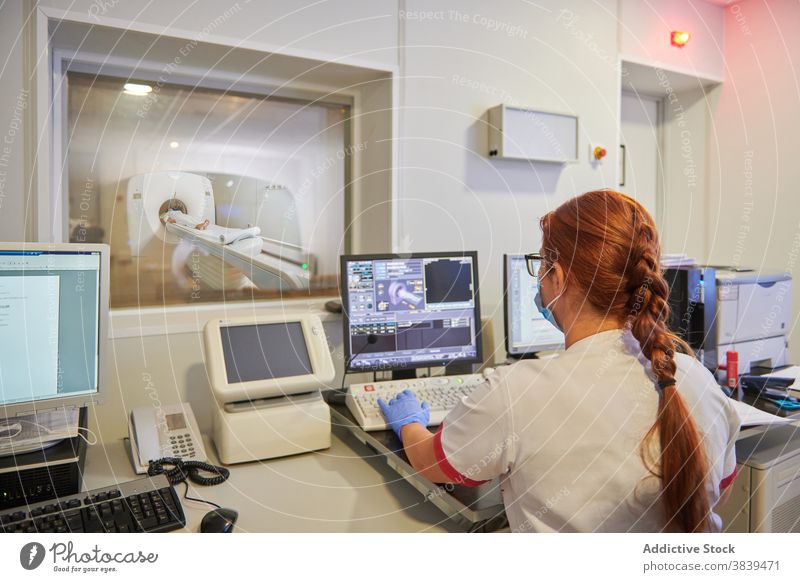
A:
<point x="752" y="416"/>
<point x="792" y="372"/>
<point x="674" y="260"/>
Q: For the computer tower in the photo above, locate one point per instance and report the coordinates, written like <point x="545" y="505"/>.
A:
<point x="692" y="303"/>
<point x="42" y="475"/>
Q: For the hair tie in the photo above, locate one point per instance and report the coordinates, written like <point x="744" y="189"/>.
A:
<point x="666" y="383"/>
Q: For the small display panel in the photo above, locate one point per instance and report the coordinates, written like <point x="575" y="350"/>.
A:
<point x="175" y="421"/>
<point x="264" y="352"/>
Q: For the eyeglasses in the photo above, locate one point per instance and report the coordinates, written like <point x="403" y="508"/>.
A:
<point x="530" y="261"/>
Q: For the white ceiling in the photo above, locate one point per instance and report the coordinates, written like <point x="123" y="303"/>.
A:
<point x="146" y="55"/>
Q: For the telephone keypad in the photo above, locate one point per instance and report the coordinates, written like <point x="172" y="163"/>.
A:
<point x="182" y="445"/>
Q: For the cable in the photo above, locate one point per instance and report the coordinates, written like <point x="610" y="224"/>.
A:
<point x="186" y="496"/>
<point x="185" y="471"/>
<point x="88" y="431"/>
<point x="182" y="470"/>
<point x="9" y="427"/>
<point x="49" y="431"/>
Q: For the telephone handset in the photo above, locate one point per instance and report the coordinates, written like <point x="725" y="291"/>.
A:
<point x="167" y="432"/>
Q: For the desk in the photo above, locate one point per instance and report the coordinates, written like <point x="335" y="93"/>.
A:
<point x="342" y="489"/>
<point x="766" y="405"/>
<point x="472" y="508"/>
<point x="347" y="488"/>
<point x="762" y="404"/>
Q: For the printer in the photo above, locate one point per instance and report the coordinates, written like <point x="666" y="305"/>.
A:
<point x="718" y="309"/>
<point x="753" y="314"/>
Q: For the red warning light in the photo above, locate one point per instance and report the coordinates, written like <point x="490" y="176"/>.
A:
<point x="679" y="38"/>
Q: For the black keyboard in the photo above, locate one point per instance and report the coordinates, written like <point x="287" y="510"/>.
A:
<point x="144" y="505"/>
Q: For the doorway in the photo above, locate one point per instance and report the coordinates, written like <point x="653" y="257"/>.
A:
<point x="641" y="173"/>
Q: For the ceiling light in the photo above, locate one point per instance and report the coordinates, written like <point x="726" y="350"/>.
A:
<point x="174" y="144"/>
<point x="137" y="89"/>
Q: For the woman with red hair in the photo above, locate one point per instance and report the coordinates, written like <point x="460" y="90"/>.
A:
<point x="623" y="431"/>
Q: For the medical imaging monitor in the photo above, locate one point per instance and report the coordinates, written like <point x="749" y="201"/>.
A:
<point x="410" y="311"/>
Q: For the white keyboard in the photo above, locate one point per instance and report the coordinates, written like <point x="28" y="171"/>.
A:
<point x="441" y="393"/>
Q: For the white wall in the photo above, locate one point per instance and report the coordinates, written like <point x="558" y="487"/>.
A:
<point x="753" y="209"/>
<point x="345" y="28"/>
<point x="456" y="60"/>
<point x="562" y="57"/>
<point x="164" y="368"/>
<point x="688" y="101"/>
<point x="327" y="30"/>
<point x="167" y="348"/>
<point x="644" y="38"/>
<point x="645" y="35"/>
<point x="14" y="103"/>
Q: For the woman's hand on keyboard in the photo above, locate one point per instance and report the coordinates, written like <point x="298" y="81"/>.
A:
<point x="404" y="409"/>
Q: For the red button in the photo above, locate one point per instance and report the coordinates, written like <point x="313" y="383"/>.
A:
<point x="369" y="388"/>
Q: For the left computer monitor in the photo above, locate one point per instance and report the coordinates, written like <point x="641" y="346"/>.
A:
<point x="410" y="311"/>
<point x="527" y="331"/>
<point x="53" y="326"/>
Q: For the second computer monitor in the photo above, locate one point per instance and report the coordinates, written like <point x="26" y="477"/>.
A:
<point x="53" y="326"/>
<point x="527" y="331"/>
<point x="413" y="311"/>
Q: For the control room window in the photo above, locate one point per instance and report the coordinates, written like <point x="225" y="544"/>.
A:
<point x="273" y="169"/>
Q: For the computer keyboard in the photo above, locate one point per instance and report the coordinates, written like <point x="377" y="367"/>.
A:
<point x="143" y="505"/>
<point x="441" y="393"/>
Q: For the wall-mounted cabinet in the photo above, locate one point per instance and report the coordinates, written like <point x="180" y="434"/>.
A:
<point x="519" y="133"/>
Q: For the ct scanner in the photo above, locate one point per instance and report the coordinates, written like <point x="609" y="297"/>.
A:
<point x="267" y="263"/>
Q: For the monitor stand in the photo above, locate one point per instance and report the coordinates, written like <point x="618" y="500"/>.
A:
<point x="404" y="374"/>
<point x="458" y="369"/>
<point x="449" y="370"/>
<point x="526" y="356"/>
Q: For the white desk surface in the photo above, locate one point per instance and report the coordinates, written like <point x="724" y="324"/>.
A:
<point x="342" y="489"/>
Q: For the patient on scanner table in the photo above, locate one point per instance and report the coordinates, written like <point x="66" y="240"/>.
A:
<point x="210" y="231"/>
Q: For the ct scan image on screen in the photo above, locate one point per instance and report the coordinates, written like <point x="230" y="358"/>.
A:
<point x="411" y="311"/>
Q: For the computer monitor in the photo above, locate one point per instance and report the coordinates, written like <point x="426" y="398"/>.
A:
<point x="53" y="326"/>
<point x="410" y="311"/>
<point x="527" y="331"/>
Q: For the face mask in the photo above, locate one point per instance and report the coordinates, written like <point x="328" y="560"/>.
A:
<point x="545" y="309"/>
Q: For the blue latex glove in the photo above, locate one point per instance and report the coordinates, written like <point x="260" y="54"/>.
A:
<point x="404" y="409"/>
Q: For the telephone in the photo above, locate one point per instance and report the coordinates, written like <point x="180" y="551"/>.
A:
<point x="167" y="432"/>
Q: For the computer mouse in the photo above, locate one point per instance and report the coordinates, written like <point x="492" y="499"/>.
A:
<point x="219" y="521"/>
